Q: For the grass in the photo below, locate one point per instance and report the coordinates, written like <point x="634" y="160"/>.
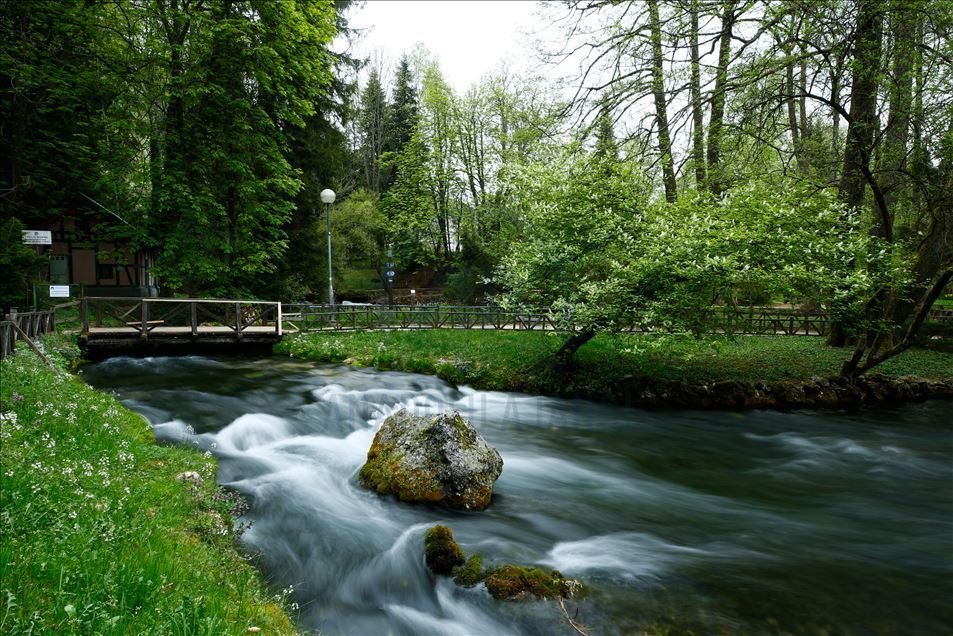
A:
<point x="99" y="536"/>
<point x="360" y="279"/>
<point x="516" y="360"/>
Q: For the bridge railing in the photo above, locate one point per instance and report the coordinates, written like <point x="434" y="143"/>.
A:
<point x="355" y="317"/>
<point x="177" y="315"/>
<point x="26" y="326"/>
<point x="747" y="320"/>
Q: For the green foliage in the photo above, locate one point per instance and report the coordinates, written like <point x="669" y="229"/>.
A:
<point x="407" y="205"/>
<point x="227" y="189"/>
<point x="601" y="256"/>
<point x="99" y="534"/>
<point x="18" y="262"/>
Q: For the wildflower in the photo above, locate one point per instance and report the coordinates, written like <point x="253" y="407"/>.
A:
<point x="16" y="397"/>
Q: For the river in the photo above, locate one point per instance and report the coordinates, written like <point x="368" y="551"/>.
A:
<point x="754" y="522"/>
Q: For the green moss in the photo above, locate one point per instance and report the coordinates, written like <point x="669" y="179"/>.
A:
<point x="441" y="551"/>
<point x="470" y="573"/>
<point x="513" y="581"/>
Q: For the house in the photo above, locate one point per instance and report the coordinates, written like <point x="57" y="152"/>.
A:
<point x="88" y="251"/>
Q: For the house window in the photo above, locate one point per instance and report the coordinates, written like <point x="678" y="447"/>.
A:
<point x="105" y="270"/>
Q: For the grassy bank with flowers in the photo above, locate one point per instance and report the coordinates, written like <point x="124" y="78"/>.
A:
<point x="106" y="532"/>
<point x="627" y="368"/>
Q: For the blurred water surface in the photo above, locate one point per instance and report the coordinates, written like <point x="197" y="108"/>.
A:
<point x="712" y="522"/>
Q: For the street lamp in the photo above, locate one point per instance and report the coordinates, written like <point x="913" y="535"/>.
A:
<point x="327" y="197"/>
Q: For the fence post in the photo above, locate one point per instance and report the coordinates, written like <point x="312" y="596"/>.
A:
<point x="278" y="319"/>
<point x="238" y="320"/>
<point x="194" y="318"/>
<point x="84" y="316"/>
<point x="144" y="332"/>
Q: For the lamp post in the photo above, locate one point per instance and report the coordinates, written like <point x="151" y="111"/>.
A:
<point x="327" y="197"/>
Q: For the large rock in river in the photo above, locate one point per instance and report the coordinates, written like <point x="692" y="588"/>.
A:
<point x="439" y="459"/>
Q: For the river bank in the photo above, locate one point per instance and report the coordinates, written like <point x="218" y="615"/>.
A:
<point x="105" y="531"/>
<point x="774" y="372"/>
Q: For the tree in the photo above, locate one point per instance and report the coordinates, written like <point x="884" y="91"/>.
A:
<point x="225" y="194"/>
<point x="408" y="207"/>
<point x="436" y="128"/>
<point x="661" y="105"/>
<point x="373" y="128"/>
<point x="599" y="266"/>
<point x="403" y="116"/>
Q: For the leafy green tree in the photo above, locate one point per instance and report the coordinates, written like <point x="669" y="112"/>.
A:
<point x="600" y="257"/>
<point x="226" y="193"/>
<point x="18" y="262"/>
<point x="69" y="124"/>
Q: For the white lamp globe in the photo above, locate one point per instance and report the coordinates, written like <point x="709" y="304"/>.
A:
<point x="327" y="195"/>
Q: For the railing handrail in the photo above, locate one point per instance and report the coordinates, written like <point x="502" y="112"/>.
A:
<point x="184" y="300"/>
<point x="139" y="317"/>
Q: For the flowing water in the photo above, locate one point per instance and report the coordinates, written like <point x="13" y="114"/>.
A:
<point x="676" y="521"/>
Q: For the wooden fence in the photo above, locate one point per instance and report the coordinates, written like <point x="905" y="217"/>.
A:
<point x="25" y="327"/>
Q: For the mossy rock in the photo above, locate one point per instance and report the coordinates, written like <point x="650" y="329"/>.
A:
<point x="441" y="551"/>
<point x="470" y="573"/>
<point x="509" y="582"/>
<point x="438" y="459"/>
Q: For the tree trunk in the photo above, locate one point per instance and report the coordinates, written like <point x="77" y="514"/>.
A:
<point x="903" y="19"/>
<point x="716" y="176"/>
<point x="563" y="357"/>
<point x="862" y="126"/>
<point x="661" y="106"/>
<point x="795" y="129"/>
<point x="863" y="105"/>
<point x="698" y="129"/>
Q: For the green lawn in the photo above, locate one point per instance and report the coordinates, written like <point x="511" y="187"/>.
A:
<point x="98" y="534"/>
<point x="514" y="360"/>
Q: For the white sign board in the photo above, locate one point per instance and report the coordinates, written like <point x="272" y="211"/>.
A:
<point x="59" y="291"/>
<point x="37" y="237"/>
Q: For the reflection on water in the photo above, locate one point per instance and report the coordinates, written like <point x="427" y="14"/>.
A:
<point x="755" y="522"/>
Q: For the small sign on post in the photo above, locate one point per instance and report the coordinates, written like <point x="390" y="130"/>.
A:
<point x="37" y="237"/>
<point x="59" y="291"/>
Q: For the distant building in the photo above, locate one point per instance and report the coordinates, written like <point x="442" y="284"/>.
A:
<point x="87" y="252"/>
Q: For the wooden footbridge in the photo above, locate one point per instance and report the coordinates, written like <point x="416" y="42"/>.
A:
<point x="152" y="325"/>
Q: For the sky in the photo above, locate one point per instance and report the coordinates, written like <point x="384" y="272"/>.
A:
<point x="469" y="38"/>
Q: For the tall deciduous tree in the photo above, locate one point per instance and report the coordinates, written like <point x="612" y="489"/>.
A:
<point x="661" y="103"/>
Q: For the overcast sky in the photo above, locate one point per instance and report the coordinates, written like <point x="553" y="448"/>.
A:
<point x="469" y="38"/>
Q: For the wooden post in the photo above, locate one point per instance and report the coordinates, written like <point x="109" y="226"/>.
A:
<point x="144" y="332"/>
<point x="5" y="330"/>
<point x="194" y="318"/>
<point x="84" y="316"/>
<point x="278" y="319"/>
<point x="27" y="340"/>
<point x="238" y="320"/>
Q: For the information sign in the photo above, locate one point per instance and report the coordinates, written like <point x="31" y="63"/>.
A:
<point x="37" y="237"/>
